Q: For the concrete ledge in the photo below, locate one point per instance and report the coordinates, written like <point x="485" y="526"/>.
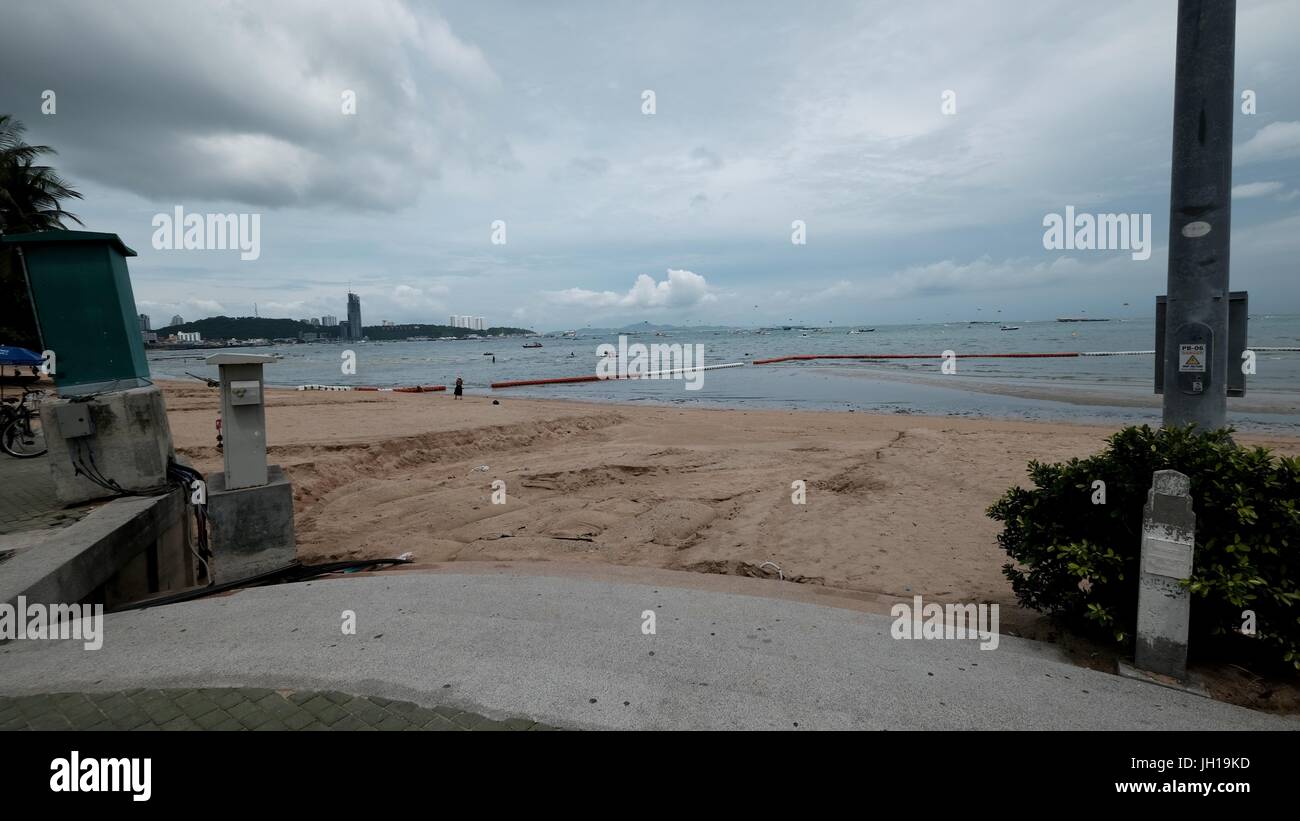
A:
<point x="76" y="561"/>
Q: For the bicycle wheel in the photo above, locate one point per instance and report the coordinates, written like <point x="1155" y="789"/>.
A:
<point x="23" y="437"/>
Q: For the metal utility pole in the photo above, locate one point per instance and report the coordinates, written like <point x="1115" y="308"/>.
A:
<point x="1200" y="217"/>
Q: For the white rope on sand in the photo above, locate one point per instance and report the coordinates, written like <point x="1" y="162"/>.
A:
<point x="658" y="374"/>
<point x="1152" y="353"/>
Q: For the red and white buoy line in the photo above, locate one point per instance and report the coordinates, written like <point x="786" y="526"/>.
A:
<point x="1055" y="355"/>
<point x="407" y="389"/>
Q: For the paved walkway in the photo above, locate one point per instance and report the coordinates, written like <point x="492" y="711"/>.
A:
<point x="571" y="653"/>
<point x="27" y="500"/>
<point x="242" y="708"/>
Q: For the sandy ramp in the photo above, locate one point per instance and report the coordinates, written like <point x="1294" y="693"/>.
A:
<point x="894" y="503"/>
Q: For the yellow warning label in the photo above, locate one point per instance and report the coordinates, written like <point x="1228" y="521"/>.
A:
<point x="1191" y="358"/>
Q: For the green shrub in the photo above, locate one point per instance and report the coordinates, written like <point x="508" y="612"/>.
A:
<point x="1079" y="561"/>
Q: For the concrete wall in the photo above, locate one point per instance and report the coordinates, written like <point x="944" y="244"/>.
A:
<point x="120" y="552"/>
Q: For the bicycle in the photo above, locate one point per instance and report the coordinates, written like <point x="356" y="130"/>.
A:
<point x="21" y="434"/>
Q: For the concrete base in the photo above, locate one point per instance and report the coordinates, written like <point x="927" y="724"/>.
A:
<point x="250" y="530"/>
<point x="1188" y="684"/>
<point x="130" y="444"/>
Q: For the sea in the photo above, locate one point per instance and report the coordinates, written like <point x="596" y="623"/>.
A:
<point x="1107" y="389"/>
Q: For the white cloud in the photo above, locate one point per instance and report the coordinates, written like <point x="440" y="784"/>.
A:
<point x="681" y="289"/>
<point x="1255" y="189"/>
<point x="983" y="274"/>
<point x="1275" y="141"/>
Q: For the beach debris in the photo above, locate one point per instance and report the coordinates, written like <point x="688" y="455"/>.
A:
<point x="483" y="468"/>
<point x="408" y="556"/>
<point x="779" y="574"/>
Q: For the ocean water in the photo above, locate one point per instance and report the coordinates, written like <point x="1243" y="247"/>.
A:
<point x="1111" y="389"/>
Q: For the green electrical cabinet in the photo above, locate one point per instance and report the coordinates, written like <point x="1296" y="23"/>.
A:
<point x="81" y="291"/>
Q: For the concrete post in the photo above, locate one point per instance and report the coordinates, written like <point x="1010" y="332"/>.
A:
<point x="250" y="505"/>
<point x="1164" y="607"/>
<point x="243" y="418"/>
<point x="1200" y="216"/>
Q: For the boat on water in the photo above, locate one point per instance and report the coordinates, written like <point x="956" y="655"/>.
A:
<point x="1009" y="328"/>
<point x="531" y="345"/>
<point x="861" y="330"/>
<point x="1081" y="319"/>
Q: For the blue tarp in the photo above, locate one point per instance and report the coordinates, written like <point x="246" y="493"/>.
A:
<point x="18" y="356"/>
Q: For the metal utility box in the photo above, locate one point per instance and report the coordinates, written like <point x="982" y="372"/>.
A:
<point x="243" y="418"/>
<point x="1238" y="314"/>
<point x="248" y="392"/>
<point x="81" y="291"/>
<point x="75" y="420"/>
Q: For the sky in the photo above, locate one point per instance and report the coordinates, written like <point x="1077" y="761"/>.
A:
<point x="916" y="149"/>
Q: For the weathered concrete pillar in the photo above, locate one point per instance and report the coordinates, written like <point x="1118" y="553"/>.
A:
<point x="1168" y="537"/>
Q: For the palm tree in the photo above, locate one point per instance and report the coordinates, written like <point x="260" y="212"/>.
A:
<point x="31" y="195"/>
<point x="31" y="199"/>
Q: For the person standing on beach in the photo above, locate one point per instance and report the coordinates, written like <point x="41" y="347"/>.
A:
<point x="460" y="387"/>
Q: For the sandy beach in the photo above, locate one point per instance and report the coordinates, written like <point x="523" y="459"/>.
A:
<point x="894" y="503"/>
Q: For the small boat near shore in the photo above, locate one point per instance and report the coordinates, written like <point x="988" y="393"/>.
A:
<point x="1009" y="328"/>
<point x="531" y="345"/>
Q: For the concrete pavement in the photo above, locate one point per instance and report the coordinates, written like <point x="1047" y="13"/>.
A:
<point x="571" y="652"/>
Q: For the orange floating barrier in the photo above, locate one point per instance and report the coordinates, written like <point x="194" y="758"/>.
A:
<point x="517" y="383"/>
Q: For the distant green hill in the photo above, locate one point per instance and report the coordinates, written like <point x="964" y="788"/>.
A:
<point x="256" y="327"/>
<point x="246" y="327"/>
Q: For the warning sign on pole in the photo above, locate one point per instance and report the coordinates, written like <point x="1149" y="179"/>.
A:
<point x="1191" y="358"/>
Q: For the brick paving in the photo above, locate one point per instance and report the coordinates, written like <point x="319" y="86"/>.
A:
<point x="27" y="500"/>
<point x="236" y="708"/>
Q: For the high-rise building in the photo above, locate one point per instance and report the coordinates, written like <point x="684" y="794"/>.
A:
<point x="474" y="323"/>
<point x="354" y="317"/>
<point x="329" y="321"/>
<point x="315" y="320"/>
<point x="177" y="319"/>
<point x="144" y="323"/>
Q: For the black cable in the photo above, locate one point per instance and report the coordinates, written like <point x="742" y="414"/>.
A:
<point x="293" y="572"/>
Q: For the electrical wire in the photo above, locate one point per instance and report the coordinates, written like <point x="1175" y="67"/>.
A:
<point x="179" y="476"/>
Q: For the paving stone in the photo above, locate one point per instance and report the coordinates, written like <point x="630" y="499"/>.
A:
<point x="196" y="703"/>
<point x="235" y="708"/>
<point x="300" y="720"/>
<point x="392" y="723"/>
<point x="225" y="698"/>
<point x="213" y="719"/>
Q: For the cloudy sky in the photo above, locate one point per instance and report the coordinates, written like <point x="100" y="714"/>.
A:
<point x="533" y="114"/>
